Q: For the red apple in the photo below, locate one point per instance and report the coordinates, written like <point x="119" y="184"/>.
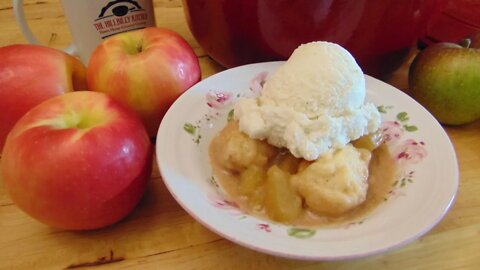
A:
<point x="145" y="69"/>
<point x="30" y="74"/>
<point x="77" y="161"/>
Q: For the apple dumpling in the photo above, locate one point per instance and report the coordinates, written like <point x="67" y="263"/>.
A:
<point x="269" y="181"/>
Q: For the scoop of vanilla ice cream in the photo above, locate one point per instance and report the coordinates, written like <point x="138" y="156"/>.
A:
<point x="320" y="78"/>
<point x="311" y="104"/>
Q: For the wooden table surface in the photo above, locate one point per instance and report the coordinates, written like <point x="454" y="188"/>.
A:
<point x="159" y="234"/>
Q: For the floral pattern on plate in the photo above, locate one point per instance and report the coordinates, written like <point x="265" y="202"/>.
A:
<point x="220" y="102"/>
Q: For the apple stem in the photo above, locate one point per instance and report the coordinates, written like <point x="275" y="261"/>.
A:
<point x="140" y="47"/>
<point x="465" y="43"/>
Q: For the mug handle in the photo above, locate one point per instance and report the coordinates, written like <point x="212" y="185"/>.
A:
<point x="27" y="32"/>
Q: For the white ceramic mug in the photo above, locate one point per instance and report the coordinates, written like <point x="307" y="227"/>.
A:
<point x="91" y="21"/>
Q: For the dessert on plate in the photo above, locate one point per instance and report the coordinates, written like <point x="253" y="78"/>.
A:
<point x="307" y="150"/>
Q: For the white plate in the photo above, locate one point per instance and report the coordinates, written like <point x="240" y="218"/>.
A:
<point x="423" y="194"/>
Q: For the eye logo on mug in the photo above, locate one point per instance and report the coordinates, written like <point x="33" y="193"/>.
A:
<point x="119" y="8"/>
<point x="120" y="16"/>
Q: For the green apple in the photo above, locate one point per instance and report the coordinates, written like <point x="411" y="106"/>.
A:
<point x="445" y="79"/>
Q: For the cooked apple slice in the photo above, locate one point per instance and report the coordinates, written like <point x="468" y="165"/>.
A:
<point x="282" y="203"/>
<point x="251" y="179"/>
<point x="369" y="141"/>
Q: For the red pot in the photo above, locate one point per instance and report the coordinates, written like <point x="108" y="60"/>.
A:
<point x="459" y="20"/>
<point x="377" y="32"/>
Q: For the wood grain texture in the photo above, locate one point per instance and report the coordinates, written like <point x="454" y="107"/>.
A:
<point x="159" y="234"/>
